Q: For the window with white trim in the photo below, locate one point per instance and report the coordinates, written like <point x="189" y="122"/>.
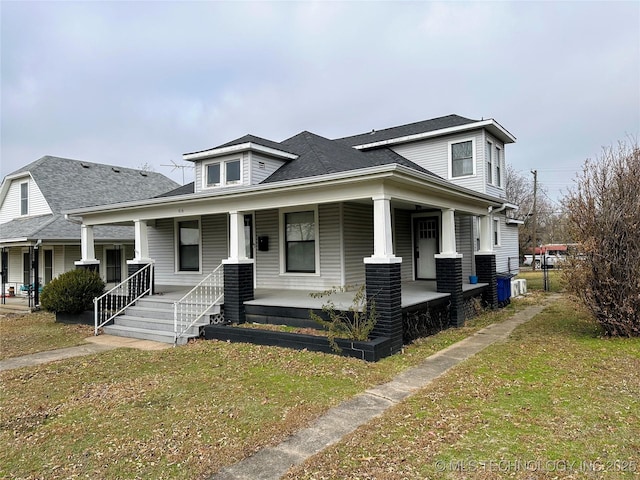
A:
<point x="498" y="165"/>
<point x="220" y="174"/>
<point x="488" y="154"/>
<point x="300" y="241"/>
<point x="114" y="265"/>
<point x="462" y="159"/>
<point x="188" y="239"/>
<point x="496" y="232"/>
<point x="24" y="198"/>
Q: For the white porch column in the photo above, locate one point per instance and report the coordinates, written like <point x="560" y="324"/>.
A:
<point x="486" y="225"/>
<point x="237" y="241"/>
<point x="382" y="232"/>
<point x="448" y="247"/>
<point x="87" y="248"/>
<point x="141" y="254"/>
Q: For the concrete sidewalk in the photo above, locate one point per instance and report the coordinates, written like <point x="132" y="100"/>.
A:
<point x="97" y="344"/>
<point x="273" y="462"/>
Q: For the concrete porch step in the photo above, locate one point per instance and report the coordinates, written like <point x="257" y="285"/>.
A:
<point x="143" y="334"/>
<point x="155" y="324"/>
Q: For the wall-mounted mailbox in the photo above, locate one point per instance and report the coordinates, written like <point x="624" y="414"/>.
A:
<point x="263" y="244"/>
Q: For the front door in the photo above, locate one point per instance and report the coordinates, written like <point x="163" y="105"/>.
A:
<point x="426" y="246"/>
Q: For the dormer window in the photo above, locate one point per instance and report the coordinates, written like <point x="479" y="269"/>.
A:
<point x="24" y="198"/>
<point x="221" y="174"/>
<point x="462" y="159"/>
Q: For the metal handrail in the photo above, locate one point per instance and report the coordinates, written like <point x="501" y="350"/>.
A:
<point x="112" y="303"/>
<point x="198" y="301"/>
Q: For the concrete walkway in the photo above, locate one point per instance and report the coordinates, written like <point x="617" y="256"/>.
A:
<point x="97" y="344"/>
<point x="273" y="462"/>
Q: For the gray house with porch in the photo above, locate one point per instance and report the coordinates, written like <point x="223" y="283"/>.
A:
<point x="416" y="213"/>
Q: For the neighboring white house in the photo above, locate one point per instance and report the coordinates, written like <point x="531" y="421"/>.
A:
<point x="36" y="236"/>
<point x="423" y="201"/>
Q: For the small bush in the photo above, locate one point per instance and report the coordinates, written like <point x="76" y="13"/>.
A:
<point x="355" y="324"/>
<point x="72" y="292"/>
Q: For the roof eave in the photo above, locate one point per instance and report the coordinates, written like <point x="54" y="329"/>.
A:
<point x="494" y="127"/>
<point x="242" y="147"/>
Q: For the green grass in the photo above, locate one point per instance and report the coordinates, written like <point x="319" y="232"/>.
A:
<point x="22" y="334"/>
<point x="183" y="412"/>
<point x="555" y="392"/>
<point x="535" y="280"/>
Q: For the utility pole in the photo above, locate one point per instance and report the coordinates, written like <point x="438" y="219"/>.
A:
<point x="535" y="216"/>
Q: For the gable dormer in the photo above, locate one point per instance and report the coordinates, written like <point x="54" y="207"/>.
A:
<point x="242" y="162"/>
<point x="469" y="153"/>
<point x="20" y="197"/>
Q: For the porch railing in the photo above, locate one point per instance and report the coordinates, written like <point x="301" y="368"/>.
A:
<point x="112" y="303"/>
<point x="198" y="302"/>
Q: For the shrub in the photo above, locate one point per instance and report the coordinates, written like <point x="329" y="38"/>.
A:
<point x="604" y="216"/>
<point x="72" y="292"/>
<point x="355" y="324"/>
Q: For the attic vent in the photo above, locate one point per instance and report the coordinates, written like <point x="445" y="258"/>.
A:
<point x="261" y="165"/>
<point x="117" y="170"/>
<point x="84" y="165"/>
<point x="144" y="174"/>
<point x="372" y="131"/>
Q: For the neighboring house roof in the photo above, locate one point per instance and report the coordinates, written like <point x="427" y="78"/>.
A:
<point x="319" y="156"/>
<point x="67" y="184"/>
<point x="406" y="130"/>
<point x="57" y="228"/>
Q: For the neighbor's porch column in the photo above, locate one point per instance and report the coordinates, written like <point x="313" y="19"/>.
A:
<point x="87" y="250"/>
<point x="238" y="272"/>
<point x="449" y="268"/>
<point x="486" y="262"/>
<point x="382" y="276"/>
<point x="141" y="257"/>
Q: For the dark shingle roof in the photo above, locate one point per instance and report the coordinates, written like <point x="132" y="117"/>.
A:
<point x="183" y="190"/>
<point x="408" y="129"/>
<point x="319" y="156"/>
<point x="249" y="139"/>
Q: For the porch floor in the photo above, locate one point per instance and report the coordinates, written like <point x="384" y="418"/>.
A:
<point x="413" y="293"/>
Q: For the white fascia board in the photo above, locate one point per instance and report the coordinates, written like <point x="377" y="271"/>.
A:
<point x="490" y="124"/>
<point x="5" y="241"/>
<point x="217" y="152"/>
<point x="324" y="183"/>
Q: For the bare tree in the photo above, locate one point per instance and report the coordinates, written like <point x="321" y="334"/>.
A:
<point x="519" y="190"/>
<point x="604" y="217"/>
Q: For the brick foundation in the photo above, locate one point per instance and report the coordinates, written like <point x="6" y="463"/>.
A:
<point x="384" y="287"/>
<point x="449" y="280"/>
<point x="238" y="288"/>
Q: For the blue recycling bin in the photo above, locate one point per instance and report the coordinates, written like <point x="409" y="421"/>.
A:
<point x="504" y="288"/>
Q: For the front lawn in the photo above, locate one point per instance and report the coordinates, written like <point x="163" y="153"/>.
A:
<point x="553" y="401"/>
<point x="21" y="334"/>
<point x="183" y="412"/>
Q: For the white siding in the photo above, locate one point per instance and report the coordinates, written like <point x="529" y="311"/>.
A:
<point x="509" y="248"/>
<point x="71" y="254"/>
<point x="267" y="263"/>
<point x="433" y="154"/>
<point x="492" y="189"/>
<point x="465" y="244"/>
<point x="330" y="259"/>
<point x="10" y="207"/>
<point x="163" y="251"/>
<point x="402" y="242"/>
<point x="58" y="260"/>
<point x="260" y="172"/>
<point x="358" y="240"/>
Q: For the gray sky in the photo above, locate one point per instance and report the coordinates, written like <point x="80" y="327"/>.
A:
<point x="129" y="83"/>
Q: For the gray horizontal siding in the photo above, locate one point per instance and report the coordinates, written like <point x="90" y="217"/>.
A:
<point x="358" y="240"/>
